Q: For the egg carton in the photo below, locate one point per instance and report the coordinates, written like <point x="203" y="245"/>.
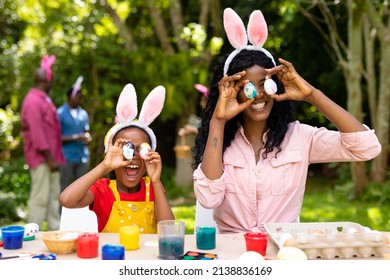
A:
<point x="332" y="240"/>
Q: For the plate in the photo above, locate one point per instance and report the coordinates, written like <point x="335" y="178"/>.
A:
<point x="330" y="240"/>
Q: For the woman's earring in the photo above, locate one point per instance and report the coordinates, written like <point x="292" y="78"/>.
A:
<point x="270" y="86"/>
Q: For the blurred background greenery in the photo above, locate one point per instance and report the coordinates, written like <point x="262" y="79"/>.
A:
<point x="175" y="43"/>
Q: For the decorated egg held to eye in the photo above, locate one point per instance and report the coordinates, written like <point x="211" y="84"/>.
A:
<point x="128" y="150"/>
<point x="250" y="90"/>
<point x="270" y="86"/>
<point x="144" y="150"/>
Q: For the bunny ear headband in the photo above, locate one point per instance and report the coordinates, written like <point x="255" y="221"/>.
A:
<point x="46" y="63"/>
<point x="202" y="88"/>
<point x="77" y="86"/>
<point x="126" y="110"/>
<point x="238" y="37"/>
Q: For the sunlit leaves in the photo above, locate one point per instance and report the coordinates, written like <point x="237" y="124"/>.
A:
<point x="105" y="27"/>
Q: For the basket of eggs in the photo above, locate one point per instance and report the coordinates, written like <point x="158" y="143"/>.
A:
<point x="60" y="242"/>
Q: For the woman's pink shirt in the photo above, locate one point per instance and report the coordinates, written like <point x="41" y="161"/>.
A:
<point x="250" y="194"/>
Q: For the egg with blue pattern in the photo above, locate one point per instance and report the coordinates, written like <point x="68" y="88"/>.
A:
<point x="250" y="90"/>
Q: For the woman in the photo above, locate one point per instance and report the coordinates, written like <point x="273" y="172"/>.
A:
<point x="251" y="158"/>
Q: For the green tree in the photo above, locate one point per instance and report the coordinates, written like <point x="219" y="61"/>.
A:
<point x="357" y="60"/>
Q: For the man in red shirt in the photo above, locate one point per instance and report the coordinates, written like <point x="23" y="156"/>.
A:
<point x="42" y="148"/>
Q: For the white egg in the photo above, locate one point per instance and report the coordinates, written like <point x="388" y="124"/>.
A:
<point x="291" y="253"/>
<point x="69" y="236"/>
<point x="373" y="236"/>
<point x="251" y="256"/>
<point x="352" y="230"/>
<point x="302" y="238"/>
<point x="144" y="150"/>
<point x="286" y="239"/>
<point x="270" y="86"/>
<point x="367" y="229"/>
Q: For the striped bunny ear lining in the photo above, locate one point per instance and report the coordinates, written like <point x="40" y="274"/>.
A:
<point x="257" y="33"/>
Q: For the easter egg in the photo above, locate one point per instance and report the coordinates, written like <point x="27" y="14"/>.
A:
<point x="291" y="253"/>
<point x="144" y="150"/>
<point x="270" y="86"/>
<point x="128" y="150"/>
<point x="250" y="90"/>
<point x="30" y="231"/>
<point x="287" y="240"/>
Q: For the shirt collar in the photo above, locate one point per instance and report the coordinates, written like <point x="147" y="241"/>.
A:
<point x="39" y="92"/>
<point x="241" y="131"/>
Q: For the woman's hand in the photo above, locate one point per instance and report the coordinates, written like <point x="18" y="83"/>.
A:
<point x="296" y="88"/>
<point x="227" y="106"/>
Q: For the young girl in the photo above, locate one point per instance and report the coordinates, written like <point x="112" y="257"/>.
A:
<point x="251" y="158"/>
<point x="131" y="198"/>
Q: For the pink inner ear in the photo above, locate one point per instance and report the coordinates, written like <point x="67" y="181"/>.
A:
<point x="152" y="106"/>
<point x="125" y="115"/>
<point x="257" y="29"/>
<point x="235" y="29"/>
<point x="126" y="107"/>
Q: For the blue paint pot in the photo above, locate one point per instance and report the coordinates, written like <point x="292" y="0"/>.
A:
<point x="12" y="237"/>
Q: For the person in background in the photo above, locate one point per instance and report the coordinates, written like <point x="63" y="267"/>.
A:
<point x="41" y="134"/>
<point x="194" y="121"/>
<point x="128" y="196"/>
<point x="251" y="156"/>
<point x="75" y="136"/>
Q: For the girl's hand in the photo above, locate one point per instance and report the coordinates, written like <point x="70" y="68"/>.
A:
<point x="153" y="166"/>
<point x="296" y="88"/>
<point x="227" y="105"/>
<point x="114" y="157"/>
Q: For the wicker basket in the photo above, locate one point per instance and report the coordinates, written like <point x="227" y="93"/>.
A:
<point x="60" y="242"/>
<point x="182" y="150"/>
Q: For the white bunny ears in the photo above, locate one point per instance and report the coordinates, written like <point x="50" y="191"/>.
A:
<point x="126" y="110"/>
<point x="238" y="37"/>
<point x="77" y="86"/>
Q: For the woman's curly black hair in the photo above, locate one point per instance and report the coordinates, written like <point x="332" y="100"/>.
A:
<point x="281" y="115"/>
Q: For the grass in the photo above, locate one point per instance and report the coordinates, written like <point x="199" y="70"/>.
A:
<point x="322" y="203"/>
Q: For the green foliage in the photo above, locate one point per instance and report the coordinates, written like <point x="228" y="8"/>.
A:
<point x="8" y="140"/>
<point x="15" y="180"/>
<point x="14" y="190"/>
<point x="8" y="212"/>
<point x="186" y="214"/>
<point x="177" y="195"/>
<point x="378" y="193"/>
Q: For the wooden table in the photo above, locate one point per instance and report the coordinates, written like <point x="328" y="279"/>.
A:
<point x="228" y="247"/>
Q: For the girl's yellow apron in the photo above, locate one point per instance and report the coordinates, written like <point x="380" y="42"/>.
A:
<point x="128" y="213"/>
